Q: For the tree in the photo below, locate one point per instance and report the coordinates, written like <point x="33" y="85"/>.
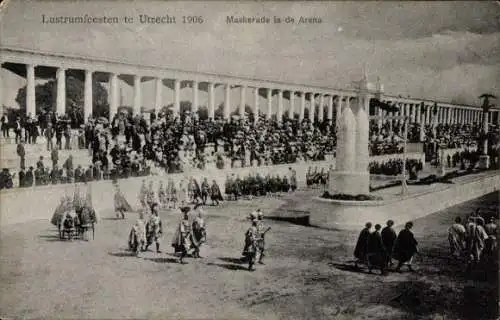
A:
<point x="46" y="96"/>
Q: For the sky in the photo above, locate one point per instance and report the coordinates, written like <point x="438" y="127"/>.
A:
<point x="448" y="51"/>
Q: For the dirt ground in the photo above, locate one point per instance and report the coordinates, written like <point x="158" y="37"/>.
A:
<point x="308" y="273"/>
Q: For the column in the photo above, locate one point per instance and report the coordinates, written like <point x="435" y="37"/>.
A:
<point x="312" y="107"/>
<point x="113" y="90"/>
<point x="302" y="105"/>
<point x="61" y="92"/>
<point x="448" y="115"/>
<point x="338" y="111"/>
<point x="158" y="95"/>
<point x="227" y="102"/>
<point x="269" y="103"/>
<point x="88" y="99"/>
<point x="256" y="104"/>
<point x="407" y="111"/>
<point x="177" y="97"/>
<point x="418" y="116"/>
<point x="428" y="114"/>
<point x="211" y="100"/>
<point x="292" y="105"/>
<point x="330" y="108"/>
<point x="30" y="90"/>
<point x="279" y="115"/>
<point x="137" y="95"/>
<point x="241" y="108"/>
<point x="196" y="103"/>
<point x="321" y="110"/>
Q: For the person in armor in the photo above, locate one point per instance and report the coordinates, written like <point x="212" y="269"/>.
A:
<point x="154" y="228"/>
<point x="182" y="238"/>
<point x="205" y="191"/>
<point x="87" y="219"/>
<point x="251" y="248"/>
<point x="121" y="204"/>
<point x="69" y="223"/>
<point x="137" y="236"/>
<point x="215" y="193"/>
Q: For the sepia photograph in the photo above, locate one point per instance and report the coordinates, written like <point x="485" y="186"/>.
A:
<point x="249" y="159"/>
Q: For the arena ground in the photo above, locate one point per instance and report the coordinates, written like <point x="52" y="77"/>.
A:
<point x="308" y="273"/>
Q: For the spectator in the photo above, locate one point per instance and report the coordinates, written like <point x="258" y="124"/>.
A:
<point x="22" y="154"/>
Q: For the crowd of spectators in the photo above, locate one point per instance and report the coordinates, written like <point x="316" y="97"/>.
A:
<point x="394" y="167"/>
<point x="138" y="145"/>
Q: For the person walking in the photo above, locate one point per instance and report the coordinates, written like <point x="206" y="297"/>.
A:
<point x="405" y="247"/>
<point x="388" y="238"/>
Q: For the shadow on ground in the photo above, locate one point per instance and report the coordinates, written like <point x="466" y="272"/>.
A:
<point x="228" y="266"/>
<point x="163" y="260"/>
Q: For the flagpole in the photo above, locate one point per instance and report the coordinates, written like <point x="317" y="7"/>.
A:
<point x="404" y="186"/>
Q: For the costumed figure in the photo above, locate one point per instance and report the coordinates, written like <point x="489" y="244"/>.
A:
<point x="154" y="228"/>
<point x="137" y="236"/>
<point x="360" y="250"/>
<point x="376" y="255"/>
<point x="121" y="204"/>
<point x="457" y="236"/>
<point x="205" y="191"/>
<point x="59" y="213"/>
<point x="162" y="196"/>
<point x="69" y="224"/>
<point x="195" y="191"/>
<point x="198" y="234"/>
<point x="87" y="219"/>
<point x="182" y="238"/>
<point x="262" y="234"/>
<point x="143" y="193"/>
<point x="405" y="247"/>
<point x="150" y="195"/>
<point x="251" y="249"/>
<point x="215" y="193"/>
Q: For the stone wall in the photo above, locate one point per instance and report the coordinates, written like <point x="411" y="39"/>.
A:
<point x="353" y="216"/>
<point x="28" y="204"/>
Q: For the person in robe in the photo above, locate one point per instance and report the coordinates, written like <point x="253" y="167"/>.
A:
<point x="162" y="196"/>
<point x="388" y="238"/>
<point x="262" y="230"/>
<point x="87" y="219"/>
<point x="215" y="193"/>
<point x="154" y="229"/>
<point x="137" y="236"/>
<point x="229" y="187"/>
<point x="376" y="255"/>
<point x="476" y="237"/>
<point x="405" y="247"/>
<point x="121" y="204"/>
<point x="195" y="191"/>
<point x="182" y="238"/>
<point x="173" y="199"/>
<point x="182" y="193"/>
<point x="143" y="193"/>
<point x="360" y="249"/>
<point x="150" y="195"/>
<point x="205" y="190"/>
<point x="293" y="179"/>
<point x="491" y="242"/>
<point x="457" y="236"/>
<point x="251" y="248"/>
<point x="198" y="234"/>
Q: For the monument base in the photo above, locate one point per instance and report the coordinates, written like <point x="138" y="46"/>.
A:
<point x="351" y="183"/>
<point x="484" y="162"/>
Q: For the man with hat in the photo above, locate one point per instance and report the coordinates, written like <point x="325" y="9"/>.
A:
<point x="154" y="228"/>
<point x="182" y="241"/>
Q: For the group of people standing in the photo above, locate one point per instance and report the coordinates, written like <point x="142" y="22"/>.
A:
<point x="188" y="238"/>
<point x="377" y="248"/>
<point x="474" y="241"/>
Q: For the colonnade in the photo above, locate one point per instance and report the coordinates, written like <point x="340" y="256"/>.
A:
<point x="300" y="97"/>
